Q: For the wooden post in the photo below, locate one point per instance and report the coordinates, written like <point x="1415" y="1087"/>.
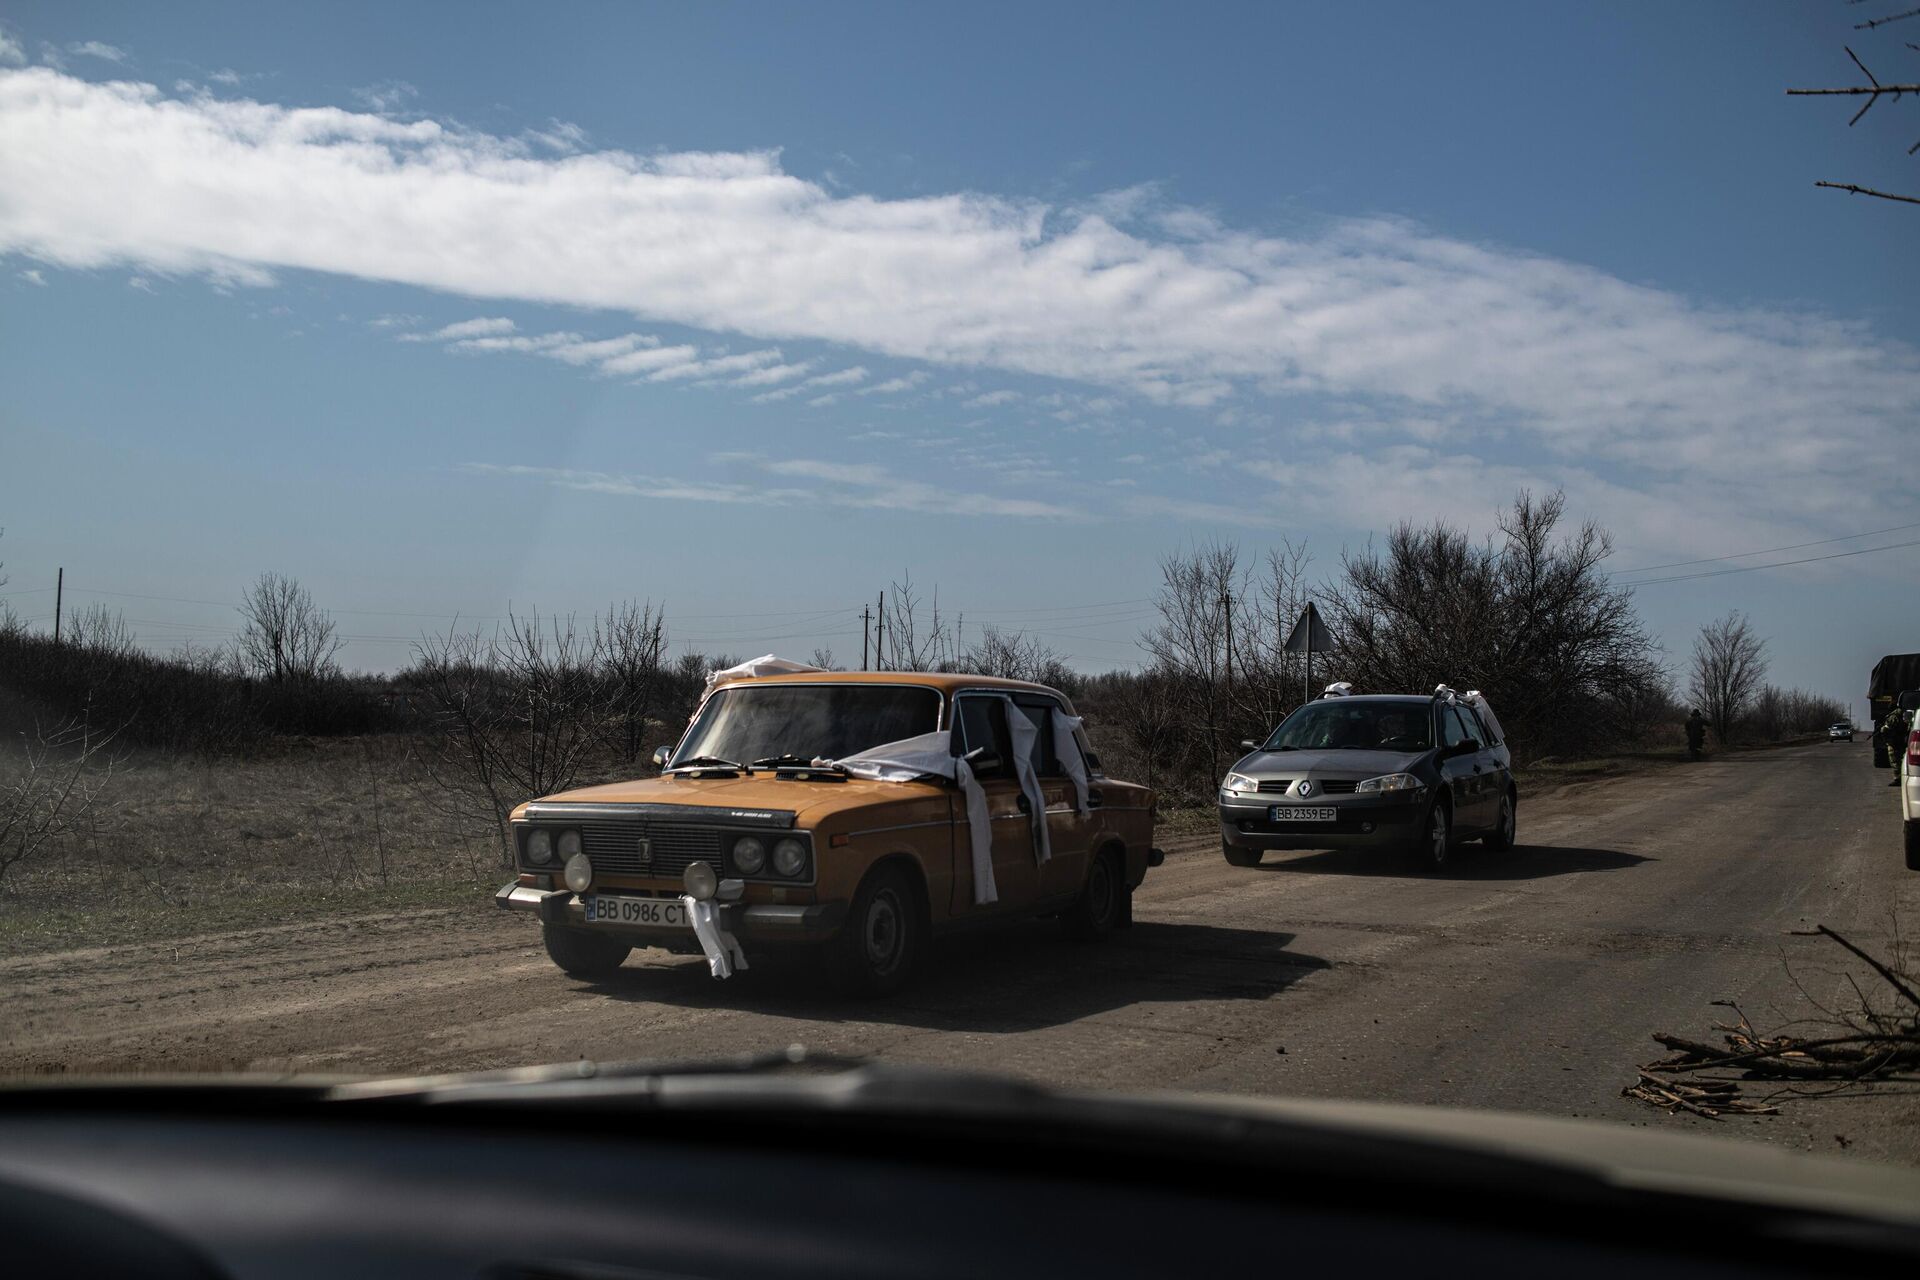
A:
<point x="59" y="590"/>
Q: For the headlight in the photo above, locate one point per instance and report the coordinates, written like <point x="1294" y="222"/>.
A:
<point x="1390" y="782"/>
<point x="1240" y="782"/>
<point x="539" y="847"/>
<point x="700" y="881"/>
<point x="579" y="873"/>
<point x="569" y="843"/>
<point x="749" y="855"/>
<point x="790" y="857"/>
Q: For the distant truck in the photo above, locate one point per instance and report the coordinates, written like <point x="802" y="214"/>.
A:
<point x="1892" y="675"/>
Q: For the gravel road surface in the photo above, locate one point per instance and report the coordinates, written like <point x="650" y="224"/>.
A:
<point x="1528" y="980"/>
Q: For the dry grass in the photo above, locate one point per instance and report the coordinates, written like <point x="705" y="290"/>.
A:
<point x="181" y="845"/>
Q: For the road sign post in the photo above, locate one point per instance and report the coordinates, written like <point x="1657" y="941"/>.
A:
<point x="1309" y="634"/>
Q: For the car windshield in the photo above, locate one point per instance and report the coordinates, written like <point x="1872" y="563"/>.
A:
<point x="749" y="722"/>
<point x="1361" y="725"/>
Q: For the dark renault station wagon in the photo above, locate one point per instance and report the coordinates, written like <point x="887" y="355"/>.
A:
<point x="1411" y="773"/>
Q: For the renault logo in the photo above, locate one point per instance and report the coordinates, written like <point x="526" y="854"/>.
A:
<point x="1306" y="786"/>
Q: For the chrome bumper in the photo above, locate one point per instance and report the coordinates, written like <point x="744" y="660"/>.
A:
<point x="758" y="920"/>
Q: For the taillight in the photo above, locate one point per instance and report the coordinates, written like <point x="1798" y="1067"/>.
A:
<point x="1913" y="750"/>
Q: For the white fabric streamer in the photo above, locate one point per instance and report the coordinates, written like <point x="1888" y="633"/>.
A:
<point x="1066" y="745"/>
<point x="1025" y="736"/>
<point x="931" y="755"/>
<point x="723" y="949"/>
<point x="766" y="664"/>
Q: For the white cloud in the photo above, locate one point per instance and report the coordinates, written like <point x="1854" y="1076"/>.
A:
<point x="839" y="378"/>
<point x="97" y="49"/>
<point x="479" y="327"/>
<point x="893" y="386"/>
<point x="774" y="374"/>
<point x="11" y="54"/>
<point x="227" y="76"/>
<point x="991" y="399"/>
<point x="1523" y="353"/>
<point x="863" y="487"/>
<point x="140" y="283"/>
<point x="33" y="276"/>
<point x="717" y="366"/>
<point x="388" y="95"/>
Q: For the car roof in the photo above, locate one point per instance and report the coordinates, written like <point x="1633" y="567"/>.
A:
<point x="947" y="682"/>
<point x="1379" y="697"/>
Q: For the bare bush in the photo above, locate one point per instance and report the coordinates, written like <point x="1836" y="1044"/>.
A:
<point x="1784" y="713"/>
<point x="56" y="780"/>
<point x="102" y="630"/>
<point x="1014" y="655"/>
<point x="284" y="635"/>
<point x="629" y="647"/>
<point x="1729" y="663"/>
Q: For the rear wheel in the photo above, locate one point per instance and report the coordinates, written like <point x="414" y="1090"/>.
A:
<point x="880" y="945"/>
<point x="582" y="953"/>
<point x="1239" y="857"/>
<point x="1102" y="907"/>
<point x="1502" y="835"/>
<point x="1435" y="843"/>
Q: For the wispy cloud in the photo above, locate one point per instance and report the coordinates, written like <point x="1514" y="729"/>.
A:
<point x="894" y="386"/>
<point x="479" y="327"/>
<point x="11" y="54"/>
<point x="1558" y="361"/>
<point x="991" y="399"/>
<point x="32" y="276"/>
<point x="388" y="95"/>
<point x="792" y="482"/>
<point x="97" y="49"/>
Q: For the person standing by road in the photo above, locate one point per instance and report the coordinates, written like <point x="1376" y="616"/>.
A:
<point x="1696" y="734"/>
<point x="1892" y="732"/>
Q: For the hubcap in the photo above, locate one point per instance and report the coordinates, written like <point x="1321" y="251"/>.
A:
<point x="1437" y="833"/>
<point x="882" y="933"/>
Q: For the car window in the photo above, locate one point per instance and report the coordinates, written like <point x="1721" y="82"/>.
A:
<point x="1453" y="729"/>
<point x="753" y="722"/>
<point x="1475" y="726"/>
<point x="1039" y="714"/>
<point x="983" y="723"/>
<point x="1352" y="723"/>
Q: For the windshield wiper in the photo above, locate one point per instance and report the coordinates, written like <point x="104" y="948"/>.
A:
<point x="708" y="762"/>
<point x="791" y="761"/>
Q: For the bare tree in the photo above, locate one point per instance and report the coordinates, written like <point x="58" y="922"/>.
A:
<point x="1729" y="662"/>
<point x="1873" y="90"/>
<point x="55" y="783"/>
<point x="285" y="636"/>
<point x="1193" y="642"/>
<point x="913" y="642"/>
<point x="102" y="630"/>
<point x="517" y="713"/>
<point x="1014" y="655"/>
<point x="630" y="645"/>
<point x="823" y="659"/>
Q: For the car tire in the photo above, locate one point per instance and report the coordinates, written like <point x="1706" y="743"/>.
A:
<point x="1102" y="905"/>
<point x="1507" y="826"/>
<point x="1239" y="857"/>
<point x="1913" y="846"/>
<point x="581" y="953"/>
<point x="879" y="946"/>
<point x="1433" y="846"/>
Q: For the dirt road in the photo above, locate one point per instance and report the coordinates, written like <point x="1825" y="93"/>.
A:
<point x="1528" y="980"/>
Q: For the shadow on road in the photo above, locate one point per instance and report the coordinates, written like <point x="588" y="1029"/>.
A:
<point x="1522" y="862"/>
<point x="1022" y="978"/>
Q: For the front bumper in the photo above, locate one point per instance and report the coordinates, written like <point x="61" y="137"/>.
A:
<point x="1364" y="822"/>
<point x="755" y="922"/>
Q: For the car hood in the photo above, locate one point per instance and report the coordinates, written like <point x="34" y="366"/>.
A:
<point x="811" y="802"/>
<point x="1326" y="764"/>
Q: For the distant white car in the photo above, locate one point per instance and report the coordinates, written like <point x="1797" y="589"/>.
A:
<point x="1839" y="733"/>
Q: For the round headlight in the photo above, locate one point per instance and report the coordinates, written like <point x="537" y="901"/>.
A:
<point x="539" y="846"/>
<point x="749" y="855"/>
<point x="579" y="873"/>
<point x="789" y="857"/>
<point x="700" y="881"/>
<point x="569" y="843"/>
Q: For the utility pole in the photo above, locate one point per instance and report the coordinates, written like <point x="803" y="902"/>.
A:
<point x="866" y="619"/>
<point x="59" y="590"/>
<point x="880" y="635"/>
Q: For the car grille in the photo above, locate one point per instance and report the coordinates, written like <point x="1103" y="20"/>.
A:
<point x="614" y="847"/>
<point x="1332" y="787"/>
<point x="1274" y="786"/>
<point x="1338" y="786"/>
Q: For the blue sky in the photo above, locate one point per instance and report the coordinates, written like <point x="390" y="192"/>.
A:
<point x="751" y="309"/>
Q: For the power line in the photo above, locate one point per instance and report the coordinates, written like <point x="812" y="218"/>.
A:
<point x="1797" y="546"/>
<point x="1777" y="564"/>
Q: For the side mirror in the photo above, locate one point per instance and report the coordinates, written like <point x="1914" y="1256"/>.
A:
<point x="980" y="759"/>
<point x="1249" y="744"/>
<point x="661" y="755"/>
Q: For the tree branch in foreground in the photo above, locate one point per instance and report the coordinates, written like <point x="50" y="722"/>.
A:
<point x="1867" y="191"/>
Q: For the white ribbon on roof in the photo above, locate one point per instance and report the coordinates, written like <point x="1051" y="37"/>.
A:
<point x="766" y="664"/>
<point x="1478" y="701"/>
<point x="931" y="755"/>
<point x="1338" y="689"/>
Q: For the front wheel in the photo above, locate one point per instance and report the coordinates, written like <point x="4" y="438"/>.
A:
<point x="581" y="953"/>
<point x="1239" y="857"/>
<point x="1436" y="840"/>
<point x="1102" y="907"/>
<point x="1502" y="835"/>
<point x="880" y="944"/>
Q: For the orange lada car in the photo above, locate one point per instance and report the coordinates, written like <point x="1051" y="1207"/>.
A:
<point x="859" y="813"/>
